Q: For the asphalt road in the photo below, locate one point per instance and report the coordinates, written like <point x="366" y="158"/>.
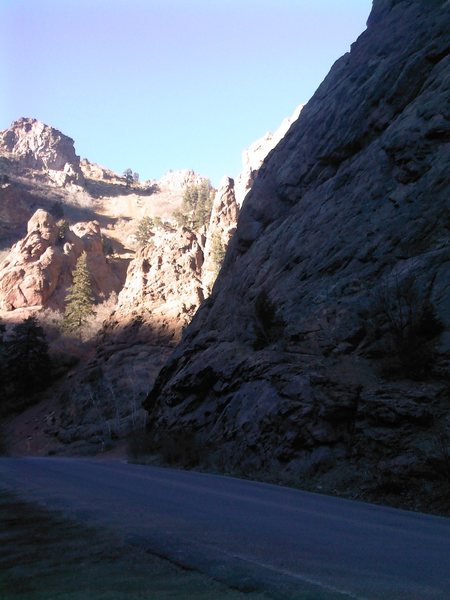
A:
<point x="253" y="536"/>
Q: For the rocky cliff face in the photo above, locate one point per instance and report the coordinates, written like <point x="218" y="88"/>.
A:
<point x="323" y="354"/>
<point x="172" y="275"/>
<point x="164" y="280"/>
<point x="33" y="145"/>
<point x="100" y="399"/>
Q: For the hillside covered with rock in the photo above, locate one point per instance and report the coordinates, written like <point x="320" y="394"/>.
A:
<point x="322" y="356"/>
<point x="149" y="273"/>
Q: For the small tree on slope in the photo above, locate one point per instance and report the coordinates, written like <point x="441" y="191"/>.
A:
<point x="79" y="297"/>
<point x="144" y="231"/>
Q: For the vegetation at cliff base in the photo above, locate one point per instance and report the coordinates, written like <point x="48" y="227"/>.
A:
<point x="25" y="366"/>
<point x="410" y="328"/>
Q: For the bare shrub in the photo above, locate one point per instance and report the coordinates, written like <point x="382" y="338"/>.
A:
<point x="411" y="329"/>
<point x="268" y="326"/>
<point x="51" y="322"/>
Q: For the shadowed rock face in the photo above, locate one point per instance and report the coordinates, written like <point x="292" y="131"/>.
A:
<point x="283" y="367"/>
<point x="222" y="225"/>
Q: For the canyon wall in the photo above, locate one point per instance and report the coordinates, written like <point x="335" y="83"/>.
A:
<point x="323" y="353"/>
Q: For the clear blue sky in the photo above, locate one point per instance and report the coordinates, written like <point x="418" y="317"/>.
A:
<point x="168" y="84"/>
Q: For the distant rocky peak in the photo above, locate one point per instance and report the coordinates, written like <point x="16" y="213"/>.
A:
<point x="180" y="179"/>
<point x="35" y="145"/>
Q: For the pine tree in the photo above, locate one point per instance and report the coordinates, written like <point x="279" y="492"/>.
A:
<point x="79" y="297"/>
<point x="27" y="357"/>
<point x="217" y="252"/>
<point x="203" y="205"/>
<point x="128" y="174"/>
<point x="144" y="231"/>
<point x="196" y="205"/>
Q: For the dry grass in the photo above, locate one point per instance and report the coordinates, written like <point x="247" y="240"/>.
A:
<point x="43" y="556"/>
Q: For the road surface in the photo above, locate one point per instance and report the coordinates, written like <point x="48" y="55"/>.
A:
<point x="250" y="535"/>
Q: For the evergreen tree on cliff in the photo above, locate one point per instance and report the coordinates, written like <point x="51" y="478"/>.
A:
<point x="27" y="357"/>
<point x="144" y="231"/>
<point x="196" y="207"/>
<point x="79" y="297"/>
<point x="129" y="179"/>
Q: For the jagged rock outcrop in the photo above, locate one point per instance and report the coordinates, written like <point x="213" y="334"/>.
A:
<point x="283" y="369"/>
<point x="38" y="269"/>
<point x="164" y="280"/>
<point x="101" y="401"/>
<point x="33" y="145"/>
<point x="222" y="225"/>
<point x="171" y="276"/>
<point x="254" y="156"/>
<point x="91" y="170"/>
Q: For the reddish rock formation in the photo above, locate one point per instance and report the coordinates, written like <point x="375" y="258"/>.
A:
<point x="164" y="280"/>
<point x="38" y="269"/>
